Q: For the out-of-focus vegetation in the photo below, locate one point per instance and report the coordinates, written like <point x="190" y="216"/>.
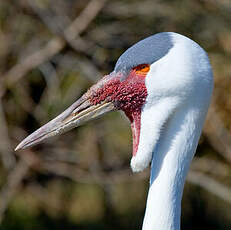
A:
<point x="51" y="51"/>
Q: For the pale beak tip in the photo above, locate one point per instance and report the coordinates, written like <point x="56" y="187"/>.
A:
<point x="19" y="146"/>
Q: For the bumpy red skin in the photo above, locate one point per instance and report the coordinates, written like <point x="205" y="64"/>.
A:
<point x="128" y="95"/>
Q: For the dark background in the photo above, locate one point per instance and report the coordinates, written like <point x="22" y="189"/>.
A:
<point x="51" y="51"/>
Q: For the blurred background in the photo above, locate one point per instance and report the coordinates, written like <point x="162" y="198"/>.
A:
<point x="51" y="51"/>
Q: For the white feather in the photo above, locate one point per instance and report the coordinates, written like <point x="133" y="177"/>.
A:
<point x="179" y="89"/>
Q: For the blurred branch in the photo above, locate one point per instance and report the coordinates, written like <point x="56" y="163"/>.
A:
<point x="32" y="61"/>
<point x="14" y="180"/>
<point x="48" y="16"/>
<point x="81" y="22"/>
<point x="83" y="176"/>
<point x="136" y="8"/>
<point x="73" y="172"/>
<point x="53" y="46"/>
<point x="12" y="186"/>
<point x="210" y="184"/>
<point x="219" y="137"/>
<point x="207" y="165"/>
<point x="124" y="175"/>
<point x="71" y="34"/>
<point x="50" y="92"/>
<point x="7" y="156"/>
<point x="57" y="24"/>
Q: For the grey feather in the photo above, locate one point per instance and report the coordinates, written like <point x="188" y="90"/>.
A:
<point x="146" y="51"/>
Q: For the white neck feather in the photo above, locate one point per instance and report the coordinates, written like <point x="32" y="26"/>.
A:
<point x="179" y="89"/>
<point x="170" y="164"/>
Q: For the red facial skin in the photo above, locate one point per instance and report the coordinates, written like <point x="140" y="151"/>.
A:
<point x="128" y="95"/>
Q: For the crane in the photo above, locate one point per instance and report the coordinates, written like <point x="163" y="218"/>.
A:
<point x="163" y="84"/>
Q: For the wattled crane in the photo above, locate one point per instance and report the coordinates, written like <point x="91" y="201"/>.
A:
<point x="163" y="84"/>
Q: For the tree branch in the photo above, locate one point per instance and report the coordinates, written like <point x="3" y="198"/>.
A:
<point x="53" y="46"/>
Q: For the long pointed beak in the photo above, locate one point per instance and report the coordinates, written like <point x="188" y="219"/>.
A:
<point x="78" y="113"/>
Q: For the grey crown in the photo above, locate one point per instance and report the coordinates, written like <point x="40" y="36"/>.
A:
<point x="146" y="51"/>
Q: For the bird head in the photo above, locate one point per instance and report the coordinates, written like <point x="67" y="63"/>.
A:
<point x="144" y="76"/>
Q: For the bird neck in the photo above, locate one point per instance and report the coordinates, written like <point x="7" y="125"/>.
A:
<point x="170" y="163"/>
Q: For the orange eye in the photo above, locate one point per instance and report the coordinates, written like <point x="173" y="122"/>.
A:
<point x="142" y="69"/>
